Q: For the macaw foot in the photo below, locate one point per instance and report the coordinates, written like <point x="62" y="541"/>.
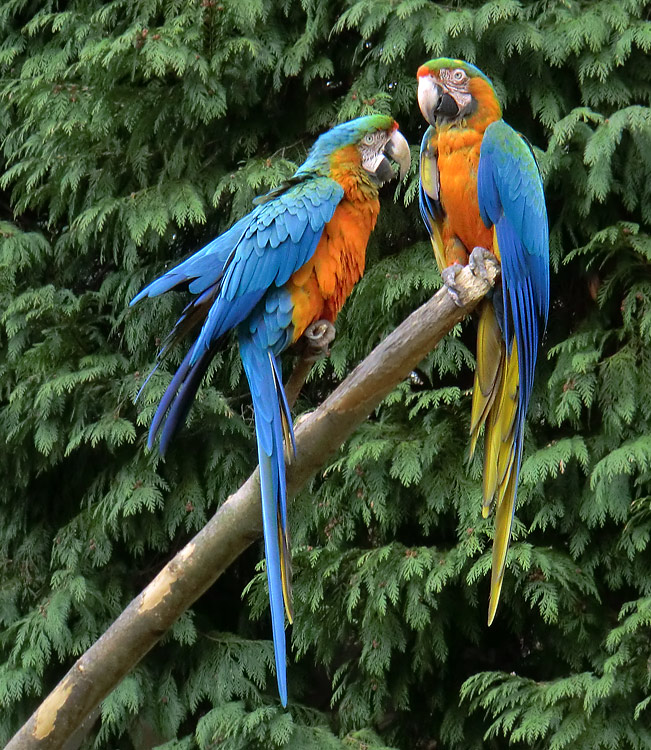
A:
<point x="313" y="344"/>
<point x="479" y="257"/>
<point x="318" y="336"/>
<point x="449" y="276"/>
<point x="481" y="262"/>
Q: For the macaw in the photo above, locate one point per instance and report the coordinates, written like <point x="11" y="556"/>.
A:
<point x="481" y="190"/>
<point x="291" y="261"/>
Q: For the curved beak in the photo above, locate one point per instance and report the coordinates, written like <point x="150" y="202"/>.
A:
<point x="435" y="103"/>
<point x="397" y="149"/>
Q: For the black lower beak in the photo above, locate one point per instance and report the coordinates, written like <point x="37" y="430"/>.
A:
<point x="384" y="172"/>
<point x="446" y="107"/>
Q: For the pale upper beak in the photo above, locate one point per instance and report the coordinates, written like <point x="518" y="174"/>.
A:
<point x="397" y="149"/>
<point x="435" y="103"/>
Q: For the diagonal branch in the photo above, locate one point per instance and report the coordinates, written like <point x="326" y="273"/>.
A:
<point x="237" y="523"/>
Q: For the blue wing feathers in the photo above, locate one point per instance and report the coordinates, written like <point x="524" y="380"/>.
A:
<point x="510" y="189"/>
<point x="177" y="399"/>
<point x="489" y="199"/>
<point x="265" y="231"/>
<point x="511" y="198"/>
<point x="202" y="269"/>
<point x="286" y="305"/>
<point x="430" y="207"/>
<point x="252" y="266"/>
<point x="222" y="317"/>
<point x="520" y="316"/>
<point x="167" y="399"/>
<point x="232" y="274"/>
<point x="294" y="225"/>
<point x="274" y="237"/>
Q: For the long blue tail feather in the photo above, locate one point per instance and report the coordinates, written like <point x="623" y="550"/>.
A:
<point x="282" y="400"/>
<point x="260" y="367"/>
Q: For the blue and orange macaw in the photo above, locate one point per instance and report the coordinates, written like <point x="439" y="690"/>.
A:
<point x="480" y="188"/>
<point x="290" y="262"/>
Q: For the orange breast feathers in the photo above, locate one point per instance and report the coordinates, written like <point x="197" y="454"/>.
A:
<point x="463" y="228"/>
<point x="320" y="287"/>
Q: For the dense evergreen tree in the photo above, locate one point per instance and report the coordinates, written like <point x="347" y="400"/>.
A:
<point x="131" y="133"/>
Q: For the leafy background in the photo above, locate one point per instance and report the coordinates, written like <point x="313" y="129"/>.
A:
<point x="134" y="131"/>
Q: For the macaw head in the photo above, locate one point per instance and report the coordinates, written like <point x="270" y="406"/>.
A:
<point x="453" y="90"/>
<point x="371" y="142"/>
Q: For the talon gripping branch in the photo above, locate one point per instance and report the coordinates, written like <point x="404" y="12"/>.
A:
<point x="480" y="187"/>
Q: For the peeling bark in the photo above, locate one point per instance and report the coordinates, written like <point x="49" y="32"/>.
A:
<point x="238" y="522"/>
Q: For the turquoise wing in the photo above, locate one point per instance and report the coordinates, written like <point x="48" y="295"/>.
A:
<point x="429" y="194"/>
<point x="511" y="200"/>
<point x="231" y="275"/>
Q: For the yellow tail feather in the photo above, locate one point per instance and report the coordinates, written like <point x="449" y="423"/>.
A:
<point x="490" y="362"/>
<point x="287" y="439"/>
<point x="283" y="536"/>
<point x="500" y="432"/>
<point x="502" y="458"/>
<point x="284" y="419"/>
<point x="495" y="403"/>
<point x="503" y="523"/>
<point x="285" y="571"/>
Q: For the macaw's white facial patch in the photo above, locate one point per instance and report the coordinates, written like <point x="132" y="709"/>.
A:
<point x="371" y="149"/>
<point x="457" y="83"/>
<point x="382" y="149"/>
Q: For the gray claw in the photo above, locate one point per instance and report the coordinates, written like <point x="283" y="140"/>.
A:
<point x="319" y="335"/>
<point x="477" y="262"/>
<point x="449" y="276"/>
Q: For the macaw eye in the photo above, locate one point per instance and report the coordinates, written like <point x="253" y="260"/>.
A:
<point x="458" y="75"/>
<point x="369" y="139"/>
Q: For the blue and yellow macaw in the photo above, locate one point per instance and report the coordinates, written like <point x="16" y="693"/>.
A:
<point x="290" y="262"/>
<point x="480" y="188"/>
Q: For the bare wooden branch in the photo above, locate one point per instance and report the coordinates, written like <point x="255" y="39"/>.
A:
<point x="296" y="380"/>
<point x="237" y="523"/>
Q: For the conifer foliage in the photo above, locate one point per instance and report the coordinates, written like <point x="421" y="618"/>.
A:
<point x="131" y="133"/>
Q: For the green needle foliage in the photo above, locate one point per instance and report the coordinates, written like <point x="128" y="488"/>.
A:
<point x="131" y="133"/>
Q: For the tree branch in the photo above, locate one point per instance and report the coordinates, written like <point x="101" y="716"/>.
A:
<point x="237" y="523"/>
